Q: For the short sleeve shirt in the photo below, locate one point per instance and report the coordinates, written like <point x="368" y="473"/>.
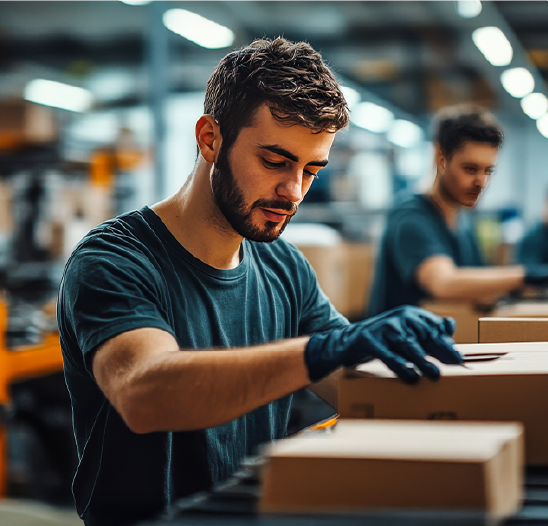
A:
<point x="415" y="231"/>
<point x="534" y="247"/>
<point x="131" y="273"/>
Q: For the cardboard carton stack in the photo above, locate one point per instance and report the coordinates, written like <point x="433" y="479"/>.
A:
<point x="504" y="330"/>
<point x="467" y="315"/>
<point x="376" y="465"/>
<point x="501" y="382"/>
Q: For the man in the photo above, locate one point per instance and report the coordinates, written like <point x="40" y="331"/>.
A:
<point x="533" y="248"/>
<point x="427" y="251"/>
<point x="186" y="326"/>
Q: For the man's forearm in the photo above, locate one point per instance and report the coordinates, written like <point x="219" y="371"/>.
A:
<point x="188" y="390"/>
<point x="477" y="283"/>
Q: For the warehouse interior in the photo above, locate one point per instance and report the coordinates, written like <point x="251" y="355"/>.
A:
<point x="98" y="105"/>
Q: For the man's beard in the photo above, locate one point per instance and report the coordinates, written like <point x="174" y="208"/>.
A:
<point x="231" y="202"/>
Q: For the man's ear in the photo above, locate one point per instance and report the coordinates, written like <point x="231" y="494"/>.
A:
<point x="441" y="160"/>
<point x="208" y="137"/>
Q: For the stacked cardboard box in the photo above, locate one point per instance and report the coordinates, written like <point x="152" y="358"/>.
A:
<point x="501" y="382"/>
<point x="501" y="330"/>
<point x="385" y="465"/>
<point x="24" y="123"/>
<point x="467" y="315"/>
<point x="344" y="273"/>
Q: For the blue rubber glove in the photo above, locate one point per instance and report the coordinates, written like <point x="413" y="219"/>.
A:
<point x="536" y="275"/>
<point x="401" y="338"/>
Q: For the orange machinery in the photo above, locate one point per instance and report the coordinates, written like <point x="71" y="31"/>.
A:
<point x="22" y="362"/>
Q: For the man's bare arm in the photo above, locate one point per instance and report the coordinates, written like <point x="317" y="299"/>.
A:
<point x="156" y="387"/>
<point x="440" y="277"/>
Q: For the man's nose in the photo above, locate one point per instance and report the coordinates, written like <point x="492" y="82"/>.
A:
<point x="291" y="187"/>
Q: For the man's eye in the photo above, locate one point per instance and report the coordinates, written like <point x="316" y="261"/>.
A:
<point x="311" y="174"/>
<point x="272" y="165"/>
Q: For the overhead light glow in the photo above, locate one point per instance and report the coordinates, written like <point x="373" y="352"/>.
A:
<point x="136" y="2"/>
<point x="351" y="95"/>
<point x="59" y="95"/>
<point x="404" y="133"/>
<point x="534" y="105"/>
<point x="494" y="45"/>
<point x="542" y="125"/>
<point x="518" y="82"/>
<point x="198" y="29"/>
<point x="372" y="117"/>
<point x="468" y="8"/>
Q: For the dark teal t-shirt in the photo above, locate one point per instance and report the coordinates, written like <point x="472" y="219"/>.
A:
<point x="131" y="272"/>
<point x="533" y="249"/>
<point x="415" y="231"/>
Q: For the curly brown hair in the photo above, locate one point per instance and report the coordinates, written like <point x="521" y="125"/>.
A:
<point x="454" y="126"/>
<point x="290" y="77"/>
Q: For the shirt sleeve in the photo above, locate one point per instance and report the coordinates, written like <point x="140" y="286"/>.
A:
<point x="107" y="292"/>
<point x="412" y="240"/>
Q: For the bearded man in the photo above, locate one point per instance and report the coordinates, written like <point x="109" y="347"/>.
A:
<point x="185" y="326"/>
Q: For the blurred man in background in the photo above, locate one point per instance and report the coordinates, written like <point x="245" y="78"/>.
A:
<point x="428" y="249"/>
<point x="534" y="246"/>
<point x="186" y="326"/>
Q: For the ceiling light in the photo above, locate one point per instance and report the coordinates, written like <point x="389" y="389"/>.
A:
<point x="494" y="45"/>
<point x="468" y="8"/>
<point x="518" y="82"/>
<point x="372" y="117"/>
<point x="351" y="95"/>
<point x="136" y="2"/>
<point x="198" y="29"/>
<point x="404" y="133"/>
<point x="534" y="105"/>
<point x="542" y="125"/>
<point x="59" y="95"/>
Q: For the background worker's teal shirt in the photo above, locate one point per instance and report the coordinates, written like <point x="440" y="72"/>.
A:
<point x="533" y="249"/>
<point x="130" y="273"/>
<point x="415" y="231"/>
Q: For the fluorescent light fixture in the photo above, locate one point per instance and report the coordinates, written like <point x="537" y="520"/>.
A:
<point x="494" y="45"/>
<point x="59" y="95"/>
<point x="542" y="125"/>
<point x="518" y="82"/>
<point x="468" y="8"/>
<point x="351" y="95"/>
<point x="198" y="29"/>
<point x="136" y="2"/>
<point x="534" y="105"/>
<point x="404" y="133"/>
<point x="372" y="117"/>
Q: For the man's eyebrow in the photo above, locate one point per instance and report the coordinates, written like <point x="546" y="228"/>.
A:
<point x="278" y="150"/>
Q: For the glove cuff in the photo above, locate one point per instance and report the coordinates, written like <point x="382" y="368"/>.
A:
<point x="317" y="357"/>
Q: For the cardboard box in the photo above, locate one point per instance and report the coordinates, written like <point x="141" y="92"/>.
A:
<point x="501" y="330"/>
<point x="6" y="208"/>
<point x="344" y="273"/>
<point x="329" y="263"/>
<point x="467" y="315"/>
<point x="502" y="382"/>
<point x="523" y="309"/>
<point x="413" y="465"/>
<point x="359" y="271"/>
<point x="24" y="122"/>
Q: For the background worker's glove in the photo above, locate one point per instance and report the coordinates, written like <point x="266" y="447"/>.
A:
<point x="401" y="338"/>
<point x="536" y="275"/>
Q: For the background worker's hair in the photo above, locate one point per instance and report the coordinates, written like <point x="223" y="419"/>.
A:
<point x="290" y="77"/>
<point x="455" y="126"/>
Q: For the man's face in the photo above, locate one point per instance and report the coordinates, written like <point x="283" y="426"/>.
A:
<point x="260" y="182"/>
<point x="463" y="177"/>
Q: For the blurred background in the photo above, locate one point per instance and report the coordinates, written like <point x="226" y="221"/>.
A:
<point x="98" y="102"/>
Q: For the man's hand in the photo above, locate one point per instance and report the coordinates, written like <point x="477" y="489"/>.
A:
<point x="401" y="338"/>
